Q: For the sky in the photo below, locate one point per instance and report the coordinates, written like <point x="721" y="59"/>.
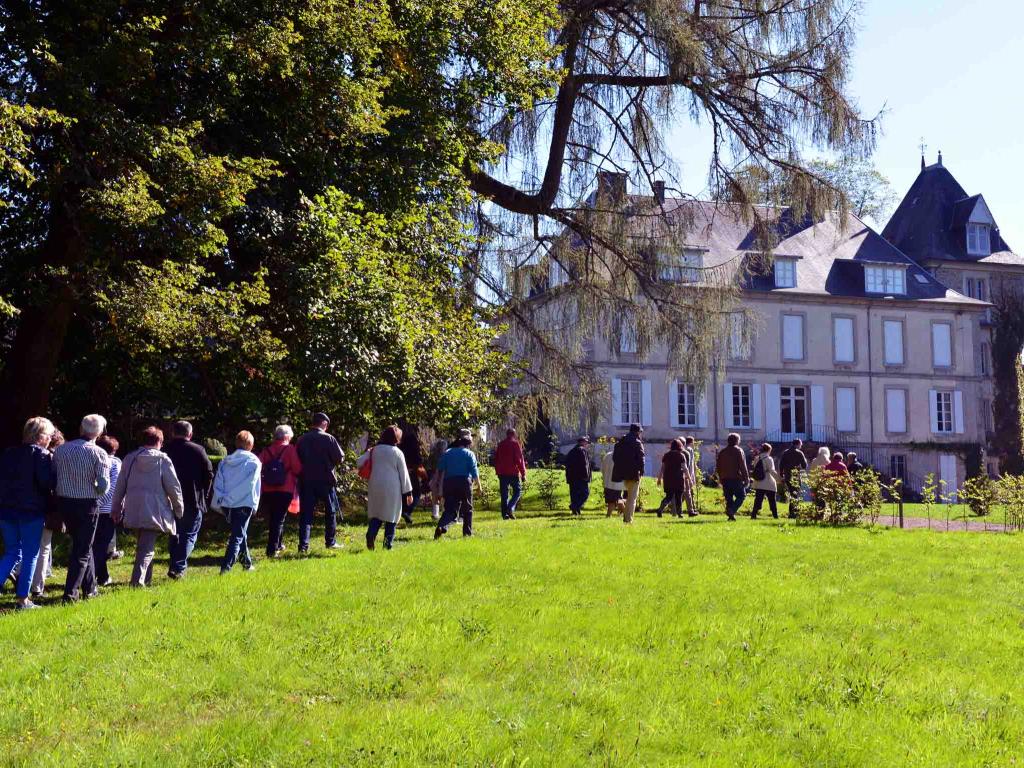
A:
<point x="949" y="72"/>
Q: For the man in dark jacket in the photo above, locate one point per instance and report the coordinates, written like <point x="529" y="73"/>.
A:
<point x="854" y="464"/>
<point x="320" y="454"/>
<point x="628" y="467"/>
<point x="195" y="473"/>
<point x="792" y="463"/>
<point x="577" y="474"/>
<point x="731" y="467"/>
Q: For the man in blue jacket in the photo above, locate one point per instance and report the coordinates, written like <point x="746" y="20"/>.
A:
<point x="320" y="455"/>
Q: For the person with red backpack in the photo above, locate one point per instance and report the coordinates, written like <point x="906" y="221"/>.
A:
<point x="279" y="477"/>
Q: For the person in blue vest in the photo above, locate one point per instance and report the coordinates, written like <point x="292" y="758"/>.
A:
<point x="458" y="468"/>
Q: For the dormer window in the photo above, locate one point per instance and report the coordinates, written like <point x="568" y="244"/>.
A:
<point x="885" y="279"/>
<point x="785" y="273"/>
<point x="979" y="242"/>
<point x="682" y="267"/>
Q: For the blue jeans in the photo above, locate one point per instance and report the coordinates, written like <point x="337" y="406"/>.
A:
<point x="21" y="544"/>
<point x="309" y="495"/>
<point x="374" y="527"/>
<point x="734" y="492"/>
<point x="508" y="483"/>
<point x="183" y="544"/>
<point x="579" y="492"/>
<point x="238" y="541"/>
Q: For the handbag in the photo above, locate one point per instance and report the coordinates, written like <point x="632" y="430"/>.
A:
<point x="367" y="469"/>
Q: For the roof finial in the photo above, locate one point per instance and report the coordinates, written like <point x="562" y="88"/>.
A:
<point x="940" y="157"/>
<point x="923" y="147"/>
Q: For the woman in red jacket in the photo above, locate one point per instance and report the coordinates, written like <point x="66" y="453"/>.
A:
<point x="279" y="478"/>
<point x="510" y="467"/>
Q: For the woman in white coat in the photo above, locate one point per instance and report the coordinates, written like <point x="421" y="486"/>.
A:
<point x="766" y="481"/>
<point x="389" y="483"/>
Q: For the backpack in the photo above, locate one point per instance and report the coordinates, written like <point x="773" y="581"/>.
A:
<point x="759" y="473"/>
<point x="274" y="471"/>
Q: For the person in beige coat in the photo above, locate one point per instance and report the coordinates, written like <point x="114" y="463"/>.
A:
<point x="765" y="480"/>
<point x="147" y="499"/>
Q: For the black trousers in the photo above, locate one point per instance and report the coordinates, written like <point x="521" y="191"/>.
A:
<point x="758" y="496"/>
<point x="105" y="530"/>
<point x="276" y="503"/>
<point x="458" y="498"/>
<point x="80" y="518"/>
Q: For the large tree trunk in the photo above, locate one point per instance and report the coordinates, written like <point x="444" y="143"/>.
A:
<point x="29" y="371"/>
<point x="32" y="364"/>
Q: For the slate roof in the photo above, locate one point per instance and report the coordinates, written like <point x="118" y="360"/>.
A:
<point x="930" y="222"/>
<point x="831" y="253"/>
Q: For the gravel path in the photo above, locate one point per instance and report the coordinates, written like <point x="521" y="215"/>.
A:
<point x="939" y="524"/>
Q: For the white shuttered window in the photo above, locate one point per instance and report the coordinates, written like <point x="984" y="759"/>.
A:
<point x="896" y="410"/>
<point x="792" y="337"/>
<point x="846" y="409"/>
<point x="893" y="333"/>
<point x="942" y="345"/>
<point x="842" y="339"/>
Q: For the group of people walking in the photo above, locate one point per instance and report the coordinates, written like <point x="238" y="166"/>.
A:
<point x="81" y="488"/>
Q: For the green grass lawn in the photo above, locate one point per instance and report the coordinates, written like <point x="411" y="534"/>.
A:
<point x="544" y="641"/>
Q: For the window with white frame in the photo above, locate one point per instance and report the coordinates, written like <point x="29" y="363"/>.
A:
<point x="842" y="339"/>
<point x="896" y="410"/>
<point x="739" y="344"/>
<point x="785" y="273"/>
<point x="898" y="467"/>
<point x="943" y="412"/>
<point x="892" y="333"/>
<point x="979" y="241"/>
<point x="686" y="405"/>
<point x="942" y="345"/>
<point x="792" y="337"/>
<point x="630" y="401"/>
<point x="880" y="279"/>
<point x="740" y="406"/>
<point x="682" y="267"/>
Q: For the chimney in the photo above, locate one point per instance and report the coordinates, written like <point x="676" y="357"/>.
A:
<point x="611" y="184"/>
<point x="659" y="192"/>
<point x="940" y="157"/>
<point x="922" y="162"/>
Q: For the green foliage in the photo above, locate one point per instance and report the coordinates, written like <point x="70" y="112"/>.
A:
<point x="197" y="186"/>
<point x="215" y="447"/>
<point x="980" y="493"/>
<point x="550" y="480"/>
<point x="841" y="499"/>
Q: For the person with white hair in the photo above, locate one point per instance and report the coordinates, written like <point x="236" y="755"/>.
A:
<point x="280" y="484"/>
<point x="195" y="473"/>
<point x="24" y="492"/>
<point x="81" y="471"/>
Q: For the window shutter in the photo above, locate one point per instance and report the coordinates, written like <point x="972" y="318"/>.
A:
<point x="958" y="412"/>
<point x="792" y="337"/>
<point x="933" y="410"/>
<point x="673" y="402"/>
<point x="772" y="409"/>
<point x="893" y="332"/>
<point x="846" y="409"/>
<point x="755" y="406"/>
<point x="942" y="356"/>
<point x="617" y="402"/>
<point x="895" y="410"/>
<point x="702" y="409"/>
<point x="842" y="339"/>
<point x="727" y="405"/>
<point x="818" y="412"/>
<point x="645" y="403"/>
